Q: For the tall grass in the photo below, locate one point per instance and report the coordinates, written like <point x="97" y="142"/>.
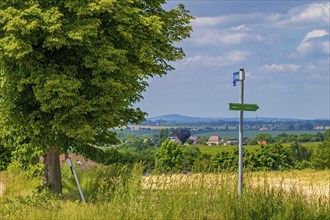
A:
<point x="123" y="193"/>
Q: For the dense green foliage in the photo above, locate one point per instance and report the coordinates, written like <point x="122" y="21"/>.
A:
<point x="273" y="157"/>
<point x="5" y="156"/>
<point x="276" y="156"/>
<point x="169" y="157"/>
<point x="70" y="70"/>
<point x="263" y="137"/>
<point x="269" y="157"/>
<point x="321" y="159"/>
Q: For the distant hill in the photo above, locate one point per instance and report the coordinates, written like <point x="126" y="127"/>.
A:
<point x="179" y="118"/>
<point x="187" y="119"/>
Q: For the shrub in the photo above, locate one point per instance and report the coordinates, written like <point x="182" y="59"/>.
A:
<point x="5" y="157"/>
<point x="273" y="157"/>
<point x="169" y="157"/>
<point x="321" y="159"/>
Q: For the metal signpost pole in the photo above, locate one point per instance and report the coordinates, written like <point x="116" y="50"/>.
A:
<point x="76" y="178"/>
<point x="240" y="149"/>
<point x="240" y="76"/>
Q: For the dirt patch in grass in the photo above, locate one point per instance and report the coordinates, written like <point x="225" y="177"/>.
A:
<point x="2" y="188"/>
<point x="80" y="162"/>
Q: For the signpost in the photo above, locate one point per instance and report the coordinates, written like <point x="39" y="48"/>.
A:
<point x="240" y="77"/>
<point x="77" y="180"/>
<point x="243" y="107"/>
<point x="235" y="78"/>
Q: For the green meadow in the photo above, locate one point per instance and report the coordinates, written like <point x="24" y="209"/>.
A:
<point x="124" y="193"/>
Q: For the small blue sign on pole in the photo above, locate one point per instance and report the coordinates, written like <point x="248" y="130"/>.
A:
<point x="235" y="78"/>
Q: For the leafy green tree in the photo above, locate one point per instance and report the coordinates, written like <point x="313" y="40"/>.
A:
<point x="202" y="163"/>
<point x="225" y="161"/>
<point x="112" y="156"/>
<point x="301" y="155"/>
<point x="318" y="136"/>
<point x="305" y="137"/>
<point x="264" y="137"/>
<point x="70" y="70"/>
<point x="273" y="157"/>
<point x="284" y="138"/>
<point x="190" y="154"/>
<point x="326" y="134"/>
<point x="321" y="159"/>
<point x="163" y="134"/>
<point x="169" y="157"/>
<point x="5" y="155"/>
<point x="175" y="132"/>
<point x="299" y="152"/>
<point x="92" y="153"/>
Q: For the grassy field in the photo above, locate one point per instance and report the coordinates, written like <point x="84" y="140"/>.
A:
<point x="122" y="193"/>
<point x="217" y="149"/>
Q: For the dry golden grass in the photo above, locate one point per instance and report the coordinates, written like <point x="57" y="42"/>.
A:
<point x="308" y="182"/>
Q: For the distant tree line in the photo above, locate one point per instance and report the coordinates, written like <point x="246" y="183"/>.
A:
<point x="288" y="138"/>
<point x="279" y="125"/>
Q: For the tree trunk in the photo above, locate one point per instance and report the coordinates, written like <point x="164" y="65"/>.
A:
<point x="53" y="170"/>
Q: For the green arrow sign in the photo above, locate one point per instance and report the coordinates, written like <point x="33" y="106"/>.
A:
<point x="243" y="107"/>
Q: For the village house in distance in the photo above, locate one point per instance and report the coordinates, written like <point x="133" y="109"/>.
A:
<point x="212" y="141"/>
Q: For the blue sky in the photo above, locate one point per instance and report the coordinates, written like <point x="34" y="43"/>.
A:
<point x="284" y="47"/>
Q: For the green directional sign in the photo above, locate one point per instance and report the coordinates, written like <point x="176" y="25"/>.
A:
<point x="243" y="107"/>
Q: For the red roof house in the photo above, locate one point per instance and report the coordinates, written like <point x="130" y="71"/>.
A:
<point x="214" y="140"/>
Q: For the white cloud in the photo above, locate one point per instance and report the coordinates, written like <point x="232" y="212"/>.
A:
<point x="318" y="33"/>
<point x="279" y="68"/>
<point x="312" y="14"/>
<point x="238" y="29"/>
<point x="234" y="57"/>
<point x="210" y="21"/>
<point x="314" y="43"/>
<point x="235" y="20"/>
<point x="316" y="14"/>
<point x="231" y="58"/>
<point x="242" y="27"/>
<point x="234" y="36"/>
